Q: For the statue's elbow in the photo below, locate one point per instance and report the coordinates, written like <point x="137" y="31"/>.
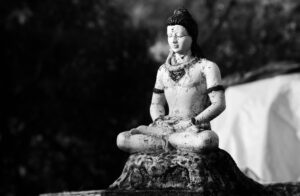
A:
<point x="223" y="103"/>
<point x="222" y="107"/>
<point x="152" y="113"/>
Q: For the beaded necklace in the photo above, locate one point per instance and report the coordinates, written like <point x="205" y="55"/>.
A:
<point x="177" y="70"/>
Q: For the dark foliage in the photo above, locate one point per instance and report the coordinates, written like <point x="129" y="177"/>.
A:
<point x="69" y="91"/>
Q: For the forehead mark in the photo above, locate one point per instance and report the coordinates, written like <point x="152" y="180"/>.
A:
<point x="177" y="29"/>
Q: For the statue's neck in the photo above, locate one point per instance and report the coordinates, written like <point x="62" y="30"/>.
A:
<point x="183" y="58"/>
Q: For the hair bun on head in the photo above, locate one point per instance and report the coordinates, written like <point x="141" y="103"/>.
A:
<point x="181" y="16"/>
<point x="180" y="11"/>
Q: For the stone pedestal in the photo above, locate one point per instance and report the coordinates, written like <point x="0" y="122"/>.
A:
<point x="287" y="189"/>
<point x="213" y="172"/>
<point x="186" y="174"/>
<point x="129" y="193"/>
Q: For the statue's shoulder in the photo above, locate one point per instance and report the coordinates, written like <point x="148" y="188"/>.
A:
<point x="162" y="69"/>
<point x="206" y="65"/>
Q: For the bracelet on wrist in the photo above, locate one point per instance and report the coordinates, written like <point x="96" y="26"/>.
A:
<point x="194" y="121"/>
<point x="159" y="118"/>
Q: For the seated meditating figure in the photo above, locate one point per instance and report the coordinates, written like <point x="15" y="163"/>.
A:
<point x="191" y="86"/>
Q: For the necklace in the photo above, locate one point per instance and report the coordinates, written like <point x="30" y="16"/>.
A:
<point x="177" y="70"/>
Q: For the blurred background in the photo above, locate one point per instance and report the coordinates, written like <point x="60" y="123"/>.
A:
<point x="79" y="72"/>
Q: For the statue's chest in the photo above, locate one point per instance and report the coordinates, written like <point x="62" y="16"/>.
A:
<point x="184" y="78"/>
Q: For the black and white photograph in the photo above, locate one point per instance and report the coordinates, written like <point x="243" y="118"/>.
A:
<point x="150" y="98"/>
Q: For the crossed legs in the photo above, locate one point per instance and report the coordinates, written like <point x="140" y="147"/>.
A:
<point x="194" y="141"/>
<point x="188" y="140"/>
<point x="133" y="143"/>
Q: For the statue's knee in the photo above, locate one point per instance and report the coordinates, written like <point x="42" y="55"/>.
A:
<point x="209" y="139"/>
<point x="141" y="127"/>
<point x="121" y="141"/>
<point x="173" y="139"/>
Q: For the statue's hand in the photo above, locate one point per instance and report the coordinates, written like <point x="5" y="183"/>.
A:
<point x="158" y="121"/>
<point x="183" y="124"/>
<point x="161" y="121"/>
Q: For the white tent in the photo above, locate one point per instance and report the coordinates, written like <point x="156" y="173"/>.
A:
<point x="260" y="127"/>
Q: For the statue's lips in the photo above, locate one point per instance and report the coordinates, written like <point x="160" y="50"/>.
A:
<point x="175" y="46"/>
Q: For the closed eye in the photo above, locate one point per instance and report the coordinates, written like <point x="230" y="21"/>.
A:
<point x="181" y="35"/>
<point x="176" y="35"/>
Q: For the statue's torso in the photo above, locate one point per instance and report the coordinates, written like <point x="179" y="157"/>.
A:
<point x="186" y="97"/>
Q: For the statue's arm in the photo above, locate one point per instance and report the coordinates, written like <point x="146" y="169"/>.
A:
<point x="215" y="92"/>
<point x="157" y="107"/>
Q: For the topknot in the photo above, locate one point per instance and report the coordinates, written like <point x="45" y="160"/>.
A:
<point x="181" y="11"/>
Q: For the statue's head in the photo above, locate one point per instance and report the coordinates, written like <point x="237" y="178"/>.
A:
<point x="181" y="27"/>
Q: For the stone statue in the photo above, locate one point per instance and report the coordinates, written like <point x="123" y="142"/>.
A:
<point x="179" y="151"/>
<point x="191" y="87"/>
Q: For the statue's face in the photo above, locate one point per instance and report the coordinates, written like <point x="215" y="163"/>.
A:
<point x="178" y="38"/>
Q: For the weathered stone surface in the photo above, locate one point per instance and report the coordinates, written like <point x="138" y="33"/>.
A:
<point x="286" y="189"/>
<point x="129" y="193"/>
<point x="186" y="174"/>
<point x="211" y="173"/>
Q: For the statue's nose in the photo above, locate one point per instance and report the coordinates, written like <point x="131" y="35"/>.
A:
<point x="174" y="39"/>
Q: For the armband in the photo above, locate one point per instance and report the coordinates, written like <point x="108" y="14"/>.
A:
<point x="158" y="91"/>
<point x="215" y="88"/>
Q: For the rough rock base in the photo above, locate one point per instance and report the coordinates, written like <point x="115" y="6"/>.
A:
<point x="186" y="174"/>
<point x="211" y="173"/>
